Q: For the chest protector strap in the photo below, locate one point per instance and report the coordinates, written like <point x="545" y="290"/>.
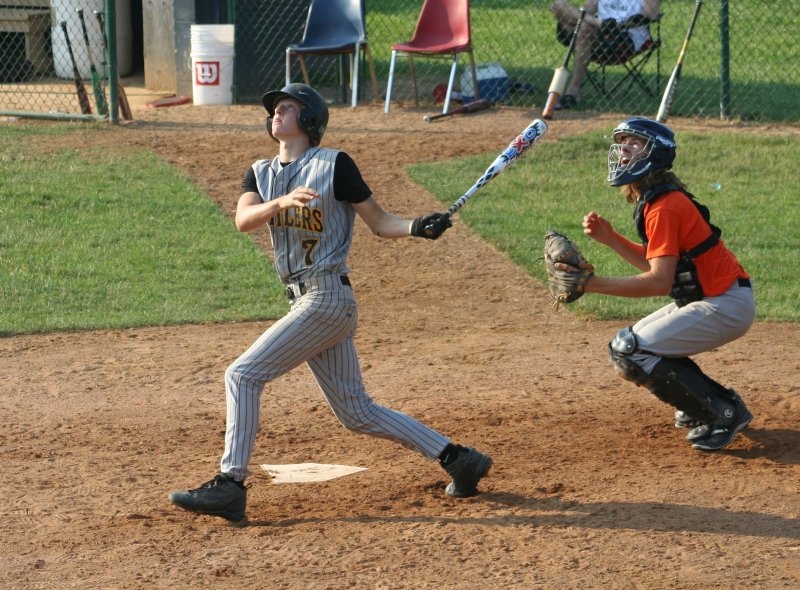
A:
<point x="686" y="285"/>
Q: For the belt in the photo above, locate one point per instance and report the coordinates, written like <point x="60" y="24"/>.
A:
<point x="744" y="283"/>
<point x="295" y="290"/>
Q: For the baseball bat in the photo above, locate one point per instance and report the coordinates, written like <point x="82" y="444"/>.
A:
<point x="560" y="75"/>
<point x="521" y="144"/>
<point x="83" y="97"/>
<point x="672" y="85"/>
<point x="124" y="106"/>
<point x="471" y="107"/>
<point x="97" y="90"/>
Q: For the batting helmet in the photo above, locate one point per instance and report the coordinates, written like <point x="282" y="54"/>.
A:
<point x="658" y="152"/>
<point x="312" y="119"/>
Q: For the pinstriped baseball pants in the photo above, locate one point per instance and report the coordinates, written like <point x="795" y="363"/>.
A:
<point x="318" y="330"/>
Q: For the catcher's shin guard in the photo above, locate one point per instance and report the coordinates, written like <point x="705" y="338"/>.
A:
<point x="682" y="384"/>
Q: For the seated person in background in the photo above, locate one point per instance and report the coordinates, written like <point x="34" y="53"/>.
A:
<point x="610" y="28"/>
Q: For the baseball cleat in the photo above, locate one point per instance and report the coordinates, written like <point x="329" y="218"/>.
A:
<point x="222" y="496"/>
<point x="466" y="471"/>
<point x="718" y="437"/>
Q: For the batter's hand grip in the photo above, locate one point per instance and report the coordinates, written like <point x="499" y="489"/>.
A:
<point x="430" y="231"/>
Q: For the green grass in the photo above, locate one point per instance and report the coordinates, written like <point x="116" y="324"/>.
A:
<point x="93" y="240"/>
<point x="749" y="183"/>
<point x="762" y="57"/>
<point x="521" y="35"/>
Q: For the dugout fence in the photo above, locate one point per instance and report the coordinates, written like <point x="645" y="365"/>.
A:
<point x="743" y="61"/>
<point x="59" y="59"/>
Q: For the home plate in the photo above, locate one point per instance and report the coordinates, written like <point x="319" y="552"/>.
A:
<point x="308" y="472"/>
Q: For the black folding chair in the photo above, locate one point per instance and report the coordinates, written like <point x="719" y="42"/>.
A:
<point x="603" y="62"/>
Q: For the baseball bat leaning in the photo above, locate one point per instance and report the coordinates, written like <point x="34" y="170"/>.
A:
<point x="560" y="75"/>
<point x="471" y="107"/>
<point x="672" y="85"/>
<point x="83" y="97"/>
<point x="521" y="144"/>
<point x="97" y="89"/>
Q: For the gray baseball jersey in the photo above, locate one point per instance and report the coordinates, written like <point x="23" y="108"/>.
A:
<point x="314" y="240"/>
<point x="311" y="245"/>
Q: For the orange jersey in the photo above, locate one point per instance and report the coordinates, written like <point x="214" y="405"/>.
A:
<point x="674" y="225"/>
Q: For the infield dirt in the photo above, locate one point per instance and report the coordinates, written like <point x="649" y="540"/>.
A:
<point x="592" y="486"/>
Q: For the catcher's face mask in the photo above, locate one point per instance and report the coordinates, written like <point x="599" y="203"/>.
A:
<point x="640" y="146"/>
<point x="628" y="158"/>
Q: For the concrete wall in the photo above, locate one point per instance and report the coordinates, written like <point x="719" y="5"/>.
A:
<point x="167" y="45"/>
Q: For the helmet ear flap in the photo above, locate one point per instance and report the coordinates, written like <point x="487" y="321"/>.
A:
<point x="308" y="121"/>
<point x="269" y="128"/>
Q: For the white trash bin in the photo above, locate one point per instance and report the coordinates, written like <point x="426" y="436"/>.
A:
<point x="212" y="64"/>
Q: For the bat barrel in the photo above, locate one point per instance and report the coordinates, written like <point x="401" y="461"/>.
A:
<point x="516" y="148"/>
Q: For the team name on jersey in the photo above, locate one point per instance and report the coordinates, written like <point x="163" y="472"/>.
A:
<point x="303" y="218"/>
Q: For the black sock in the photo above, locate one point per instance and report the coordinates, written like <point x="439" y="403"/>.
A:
<point x="229" y="478"/>
<point x="449" y="454"/>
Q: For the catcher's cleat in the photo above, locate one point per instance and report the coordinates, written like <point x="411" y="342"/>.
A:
<point x="467" y="470"/>
<point x="222" y="496"/>
<point x="684" y="420"/>
<point x="714" y="438"/>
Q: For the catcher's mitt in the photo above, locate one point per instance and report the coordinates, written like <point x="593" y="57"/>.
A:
<point x="565" y="286"/>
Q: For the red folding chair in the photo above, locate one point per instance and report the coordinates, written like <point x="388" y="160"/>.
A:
<point x="442" y="31"/>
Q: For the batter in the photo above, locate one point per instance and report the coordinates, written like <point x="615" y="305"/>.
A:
<point x="308" y="197"/>
<point x="682" y="255"/>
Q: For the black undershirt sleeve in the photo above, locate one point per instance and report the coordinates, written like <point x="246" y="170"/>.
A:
<point x="249" y="184"/>
<point x="348" y="184"/>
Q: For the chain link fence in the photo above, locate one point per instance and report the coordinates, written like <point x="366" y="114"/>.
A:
<point x="54" y="56"/>
<point x="743" y="61"/>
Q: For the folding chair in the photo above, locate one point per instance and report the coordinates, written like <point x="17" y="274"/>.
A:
<point x="442" y="31"/>
<point x="632" y="64"/>
<point x="334" y="27"/>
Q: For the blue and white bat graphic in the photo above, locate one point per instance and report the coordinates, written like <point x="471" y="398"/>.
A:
<point x="508" y="156"/>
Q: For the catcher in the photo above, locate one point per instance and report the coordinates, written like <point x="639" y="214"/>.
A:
<point x="680" y="255"/>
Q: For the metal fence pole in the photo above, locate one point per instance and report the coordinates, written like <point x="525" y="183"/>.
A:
<point x="113" y="79"/>
<point x="724" y="61"/>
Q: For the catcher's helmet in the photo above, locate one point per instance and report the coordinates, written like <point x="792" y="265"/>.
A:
<point x="312" y="119"/>
<point x="658" y="152"/>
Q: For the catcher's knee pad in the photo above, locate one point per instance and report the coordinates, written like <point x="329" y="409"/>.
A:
<point x="620" y="349"/>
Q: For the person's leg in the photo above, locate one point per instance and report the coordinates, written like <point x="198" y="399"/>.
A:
<point x="315" y="323"/>
<point x="697" y="327"/>
<point x="583" y="53"/>
<point x="566" y="13"/>
<point x="306" y="329"/>
<point x="655" y="354"/>
<point x="338" y="374"/>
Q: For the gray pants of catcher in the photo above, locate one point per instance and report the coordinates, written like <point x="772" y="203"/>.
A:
<point x="318" y="330"/>
<point x="676" y="332"/>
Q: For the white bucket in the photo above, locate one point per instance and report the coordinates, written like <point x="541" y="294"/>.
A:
<point x="212" y="64"/>
<point x="64" y="10"/>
